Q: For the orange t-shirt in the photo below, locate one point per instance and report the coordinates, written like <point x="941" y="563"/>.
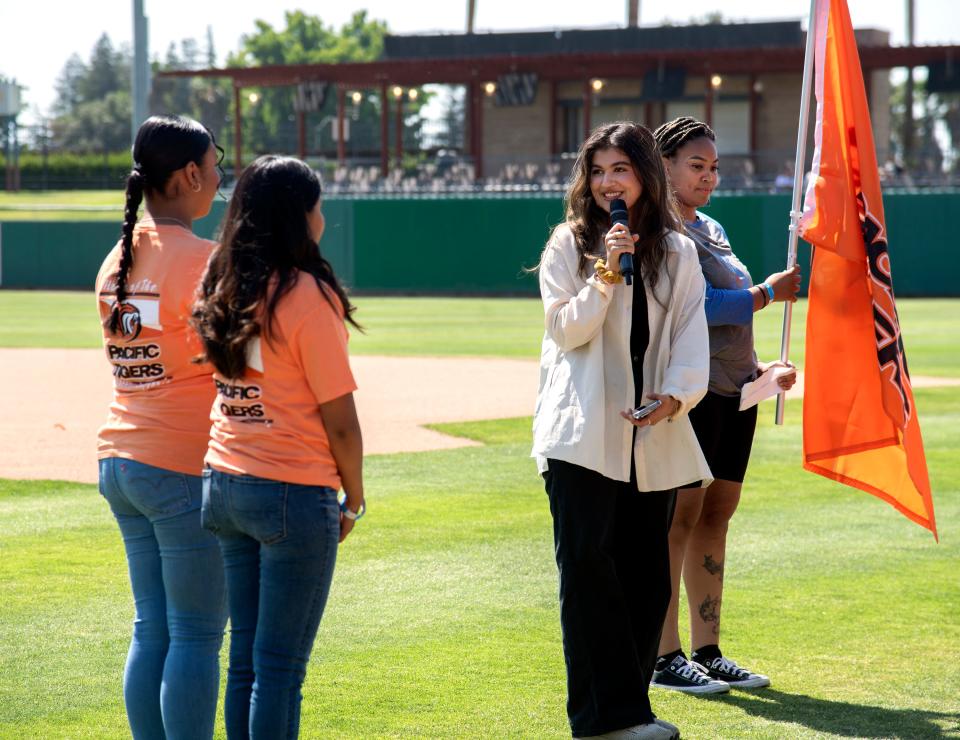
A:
<point x="160" y="414"/>
<point x="267" y="423"/>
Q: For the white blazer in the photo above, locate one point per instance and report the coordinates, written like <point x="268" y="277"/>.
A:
<point x="586" y="378"/>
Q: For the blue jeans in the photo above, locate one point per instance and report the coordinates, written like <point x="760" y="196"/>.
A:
<point x="279" y="545"/>
<point x="172" y="675"/>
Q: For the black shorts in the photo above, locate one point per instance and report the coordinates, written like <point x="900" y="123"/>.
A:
<point x="725" y="434"/>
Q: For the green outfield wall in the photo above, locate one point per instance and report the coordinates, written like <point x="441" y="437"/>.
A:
<point x="483" y="244"/>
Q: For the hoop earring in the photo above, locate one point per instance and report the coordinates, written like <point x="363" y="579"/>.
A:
<point x="196" y="187"/>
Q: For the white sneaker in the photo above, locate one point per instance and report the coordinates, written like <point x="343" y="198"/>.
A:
<point x="651" y="731"/>
<point x="668" y="726"/>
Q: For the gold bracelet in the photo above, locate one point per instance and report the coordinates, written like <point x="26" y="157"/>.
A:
<point x="604" y="275"/>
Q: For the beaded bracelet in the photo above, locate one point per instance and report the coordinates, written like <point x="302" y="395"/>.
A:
<point x="604" y="275"/>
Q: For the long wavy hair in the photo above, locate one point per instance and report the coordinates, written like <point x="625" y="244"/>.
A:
<point x="652" y="217"/>
<point x="164" y="144"/>
<point x="265" y="238"/>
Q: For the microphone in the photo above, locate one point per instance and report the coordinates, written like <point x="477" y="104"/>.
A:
<point x="618" y="215"/>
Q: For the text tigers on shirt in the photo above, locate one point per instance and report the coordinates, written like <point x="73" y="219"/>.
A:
<point x="241" y="402"/>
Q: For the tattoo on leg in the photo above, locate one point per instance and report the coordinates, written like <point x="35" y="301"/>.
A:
<point x="712" y="566"/>
<point x="710" y="612"/>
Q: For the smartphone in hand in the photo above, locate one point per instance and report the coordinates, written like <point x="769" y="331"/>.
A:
<point x="642" y="412"/>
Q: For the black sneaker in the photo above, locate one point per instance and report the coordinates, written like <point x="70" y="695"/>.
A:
<point x="682" y="675"/>
<point x="724" y="669"/>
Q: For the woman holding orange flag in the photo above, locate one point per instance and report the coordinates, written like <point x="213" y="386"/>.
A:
<point x="699" y="530"/>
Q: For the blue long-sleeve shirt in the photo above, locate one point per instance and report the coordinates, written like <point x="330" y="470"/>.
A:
<point x="726" y="307"/>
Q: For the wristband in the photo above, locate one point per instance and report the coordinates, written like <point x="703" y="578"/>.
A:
<point x="769" y="288"/>
<point x="349" y="513"/>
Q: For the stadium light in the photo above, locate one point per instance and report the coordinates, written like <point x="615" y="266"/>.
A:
<point x="356" y="96"/>
<point x="397" y="91"/>
<point x="254" y="98"/>
<point x="413" y="92"/>
<point x="490" y="88"/>
<point x="597" y="85"/>
<point x="716" y="81"/>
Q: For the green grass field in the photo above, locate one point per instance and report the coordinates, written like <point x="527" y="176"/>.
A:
<point x="511" y="327"/>
<point x="443" y="619"/>
<point x="16" y="206"/>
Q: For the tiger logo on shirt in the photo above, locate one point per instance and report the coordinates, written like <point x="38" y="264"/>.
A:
<point x="130" y="324"/>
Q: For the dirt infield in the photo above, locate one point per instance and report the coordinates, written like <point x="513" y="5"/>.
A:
<point x="55" y="399"/>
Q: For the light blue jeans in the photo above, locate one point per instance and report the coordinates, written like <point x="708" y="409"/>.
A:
<point x="279" y="544"/>
<point x="172" y="674"/>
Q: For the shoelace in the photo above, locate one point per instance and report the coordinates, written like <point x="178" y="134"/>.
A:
<point x="690" y="672"/>
<point x="728" y="666"/>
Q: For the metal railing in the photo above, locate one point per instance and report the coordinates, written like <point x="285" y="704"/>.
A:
<point x="446" y="171"/>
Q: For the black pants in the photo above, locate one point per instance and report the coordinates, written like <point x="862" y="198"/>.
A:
<point x="614" y="561"/>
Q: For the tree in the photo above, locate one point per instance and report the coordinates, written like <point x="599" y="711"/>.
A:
<point x="270" y="124"/>
<point x="97" y="125"/>
<point x="68" y="85"/>
<point x="204" y="99"/>
<point x="936" y="126"/>
<point x="451" y="126"/>
<point x="107" y="72"/>
<point x="306" y="40"/>
<point x="92" y="110"/>
<point x="950" y="112"/>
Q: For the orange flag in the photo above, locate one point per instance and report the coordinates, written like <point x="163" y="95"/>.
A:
<point x="860" y="424"/>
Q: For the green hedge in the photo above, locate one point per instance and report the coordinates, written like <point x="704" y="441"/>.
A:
<point x="87" y="171"/>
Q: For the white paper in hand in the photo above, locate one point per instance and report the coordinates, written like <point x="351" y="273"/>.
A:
<point x="766" y="386"/>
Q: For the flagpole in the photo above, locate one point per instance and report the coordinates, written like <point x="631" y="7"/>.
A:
<point x="799" y="166"/>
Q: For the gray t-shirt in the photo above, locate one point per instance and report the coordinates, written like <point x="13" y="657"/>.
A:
<point x="733" y="361"/>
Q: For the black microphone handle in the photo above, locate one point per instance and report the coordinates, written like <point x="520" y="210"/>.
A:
<point x="619" y="215"/>
<point x="626" y="267"/>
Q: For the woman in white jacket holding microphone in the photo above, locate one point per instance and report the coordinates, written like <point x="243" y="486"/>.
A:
<point x="612" y="479"/>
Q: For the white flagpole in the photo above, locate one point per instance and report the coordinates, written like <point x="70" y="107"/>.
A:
<point x="798" y="170"/>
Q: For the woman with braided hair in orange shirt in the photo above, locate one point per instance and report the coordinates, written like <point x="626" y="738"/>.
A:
<point x="152" y="445"/>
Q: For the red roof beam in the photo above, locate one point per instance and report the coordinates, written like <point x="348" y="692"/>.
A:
<point x="410" y="72"/>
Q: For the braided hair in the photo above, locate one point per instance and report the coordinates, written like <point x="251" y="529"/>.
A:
<point x="674" y="134"/>
<point x="265" y="236"/>
<point x="164" y="144"/>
